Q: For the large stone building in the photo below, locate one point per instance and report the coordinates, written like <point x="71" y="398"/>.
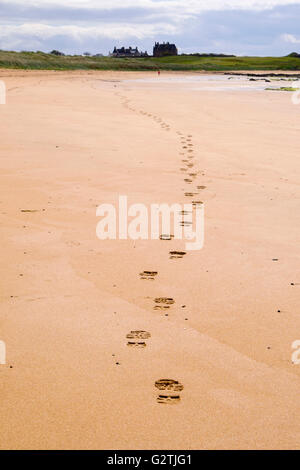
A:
<point x="164" y="49"/>
<point x="130" y="52"/>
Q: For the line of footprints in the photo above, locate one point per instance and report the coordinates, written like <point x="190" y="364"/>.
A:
<point x="169" y="389"/>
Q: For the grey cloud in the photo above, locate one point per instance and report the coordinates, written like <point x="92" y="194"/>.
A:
<point x="16" y="12"/>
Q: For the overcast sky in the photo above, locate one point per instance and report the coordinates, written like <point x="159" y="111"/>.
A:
<point x="242" y="27"/>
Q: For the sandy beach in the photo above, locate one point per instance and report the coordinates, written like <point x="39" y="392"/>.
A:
<point x="71" y="141"/>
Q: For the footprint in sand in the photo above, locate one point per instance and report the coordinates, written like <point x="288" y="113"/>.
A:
<point x="166" y="237"/>
<point x="136" y="344"/>
<point x="197" y="203"/>
<point x="168" y="399"/>
<point x="185" y="223"/>
<point x="184" y="212"/>
<point x="138" y="334"/>
<point x="163" y="303"/>
<point x="135" y="338"/>
<point x="148" y="275"/>
<point x="171" y="389"/>
<point x="177" y="254"/>
<point x="169" y="384"/>
<point x="30" y="210"/>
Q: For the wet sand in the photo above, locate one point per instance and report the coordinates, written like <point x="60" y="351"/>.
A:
<point x="71" y="141"/>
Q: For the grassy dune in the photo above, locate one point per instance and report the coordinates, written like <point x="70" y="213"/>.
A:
<point x="40" y="60"/>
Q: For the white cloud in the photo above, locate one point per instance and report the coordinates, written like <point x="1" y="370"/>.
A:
<point x="290" y="38"/>
<point x="80" y="33"/>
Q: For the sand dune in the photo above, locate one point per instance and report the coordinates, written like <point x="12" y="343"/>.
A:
<point x="93" y="329"/>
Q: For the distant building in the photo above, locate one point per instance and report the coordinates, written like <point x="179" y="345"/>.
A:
<point x="130" y="52"/>
<point x="164" y="49"/>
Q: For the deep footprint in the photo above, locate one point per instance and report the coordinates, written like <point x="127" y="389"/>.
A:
<point x="138" y="334"/>
<point x="168" y="399"/>
<point x="148" y="275"/>
<point x="177" y="254"/>
<point x="169" y="384"/>
<point x="163" y="303"/>
<point x="136" y="344"/>
<point x="136" y="338"/>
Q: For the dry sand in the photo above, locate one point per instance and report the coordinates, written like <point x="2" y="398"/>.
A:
<point x="71" y="141"/>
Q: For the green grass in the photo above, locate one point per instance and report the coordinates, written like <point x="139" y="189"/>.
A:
<point x="283" y="88"/>
<point x="43" y="61"/>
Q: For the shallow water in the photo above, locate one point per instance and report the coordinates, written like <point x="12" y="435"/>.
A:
<point x="211" y="82"/>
